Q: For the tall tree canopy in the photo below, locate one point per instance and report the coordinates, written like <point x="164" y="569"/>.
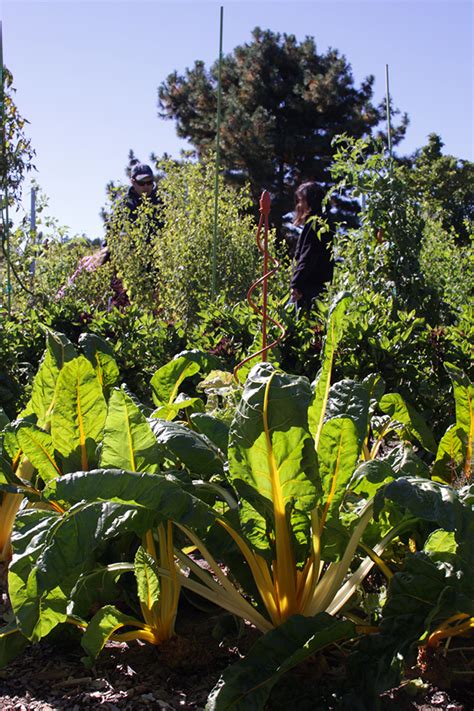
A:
<point x="282" y="104"/>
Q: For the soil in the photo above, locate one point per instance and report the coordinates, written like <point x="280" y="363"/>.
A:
<point x="179" y="674"/>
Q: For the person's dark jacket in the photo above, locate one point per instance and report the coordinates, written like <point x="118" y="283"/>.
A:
<point x="133" y="200"/>
<point x="313" y="263"/>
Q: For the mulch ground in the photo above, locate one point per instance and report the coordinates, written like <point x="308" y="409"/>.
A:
<point x="179" y="674"/>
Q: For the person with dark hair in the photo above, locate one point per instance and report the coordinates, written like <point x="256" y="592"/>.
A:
<point x="313" y="262"/>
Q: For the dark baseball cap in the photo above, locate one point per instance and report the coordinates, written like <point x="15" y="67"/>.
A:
<point x="140" y="171"/>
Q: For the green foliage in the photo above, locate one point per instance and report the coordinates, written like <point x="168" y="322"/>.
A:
<point x="16" y="152"/>
<point x="411" y="280"/>
<point x="166" y="264"/>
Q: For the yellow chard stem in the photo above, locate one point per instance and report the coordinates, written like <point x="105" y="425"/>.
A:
<point x="284" y="568"/>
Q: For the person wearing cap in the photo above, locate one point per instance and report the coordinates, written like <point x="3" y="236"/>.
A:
<point x="143" y="184"/>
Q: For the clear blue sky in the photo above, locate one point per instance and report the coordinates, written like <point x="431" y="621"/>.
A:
<point x="87" y="74"/>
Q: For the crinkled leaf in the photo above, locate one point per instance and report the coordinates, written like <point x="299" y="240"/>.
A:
<point x="214" y="429"/>
<point x="78" y="418"/>
<point x="338" y="456"/>
<point x="347" y="398"/>
<point x="187" y="447"/>
<point x="375" y="386"/>
<point x="246" y="685"/>
<point x="36" y="613"/>
<point x="405" y="462"/>
<point x="432" y="501"/>
<point x="441" y="545"/>
<point x="80" y="531"/>
<point x="369" y="477"/>
<point x="394" y="405"/>
<point x="129" y="442"/>
<point x="463" y="397"/>
<point x="161" y="496"/>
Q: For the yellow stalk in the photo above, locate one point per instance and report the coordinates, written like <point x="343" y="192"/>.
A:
<point x="470" y="440"/>
<point x="332" y="489"/>
<point x="82" y="436"/>
<point x="365" y="451"/>
<point x="146" y="635"/>
<point x="212" y="591"/>
<point x="375" y="449"/>
<point x="329" y="585"/>
<point x="449" y="629"/>
<point x="8" y="510"/>
<point x="378" y="560"/>
<point x="284" y="566"/>
<point x="326" y="392"/>
<point x="246" y="611"/>
<point x="260" y="572"/>
<point x="11" y="503"/>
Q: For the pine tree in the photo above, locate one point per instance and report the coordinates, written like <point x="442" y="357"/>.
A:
<point x="282" y="104"/>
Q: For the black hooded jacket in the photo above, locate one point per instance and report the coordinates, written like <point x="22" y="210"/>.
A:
<point x="313" y="263"/>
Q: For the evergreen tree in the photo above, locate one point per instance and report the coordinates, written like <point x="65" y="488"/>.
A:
<point x="282" y="104"/>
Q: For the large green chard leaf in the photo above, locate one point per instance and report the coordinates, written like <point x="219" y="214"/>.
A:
<point x="38" y="447"/>
<point x="148" y="580"/>
<point x="347" y="398"/>
<point x="322" y="383"/>
<point x="395" y="406"/>
<point x="78" y="418"/>
<point x="166" y="381"/>
<point x="338" y="456"/>
<point x="36" y="613"/>
<point x="129" y="442"/>
<point x="161" y="496"/>
<point x="101" y="355"/>
<point x="246" y="685"/>
<point x="271" y="454"/>
<point x="96" y="587"/>
<point x="182" y="402"/>
<point x="59" y="350"/>
<point x="464" y="399"/>
<point x="184" y="446"/>
<point x="79" y="532"/>
<point x="214" y="429"/>
<point x="100" y="629"/>
<point x="451" y="455"/>
<point x="432" y="501"/>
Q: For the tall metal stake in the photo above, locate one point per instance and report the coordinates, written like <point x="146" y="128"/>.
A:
<point x="218" y="158"/>
<point x="4" y="184"/>
<point x="389" y="126"/>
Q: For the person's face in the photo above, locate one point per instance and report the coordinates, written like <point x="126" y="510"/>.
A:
<point x="143" y="187"/>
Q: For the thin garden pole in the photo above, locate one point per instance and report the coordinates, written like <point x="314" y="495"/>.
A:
<point x="33" y="236"/>
<point x="389" y="126"/>
<point x="218" y="157"/>
<point x="5" y="220"/>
